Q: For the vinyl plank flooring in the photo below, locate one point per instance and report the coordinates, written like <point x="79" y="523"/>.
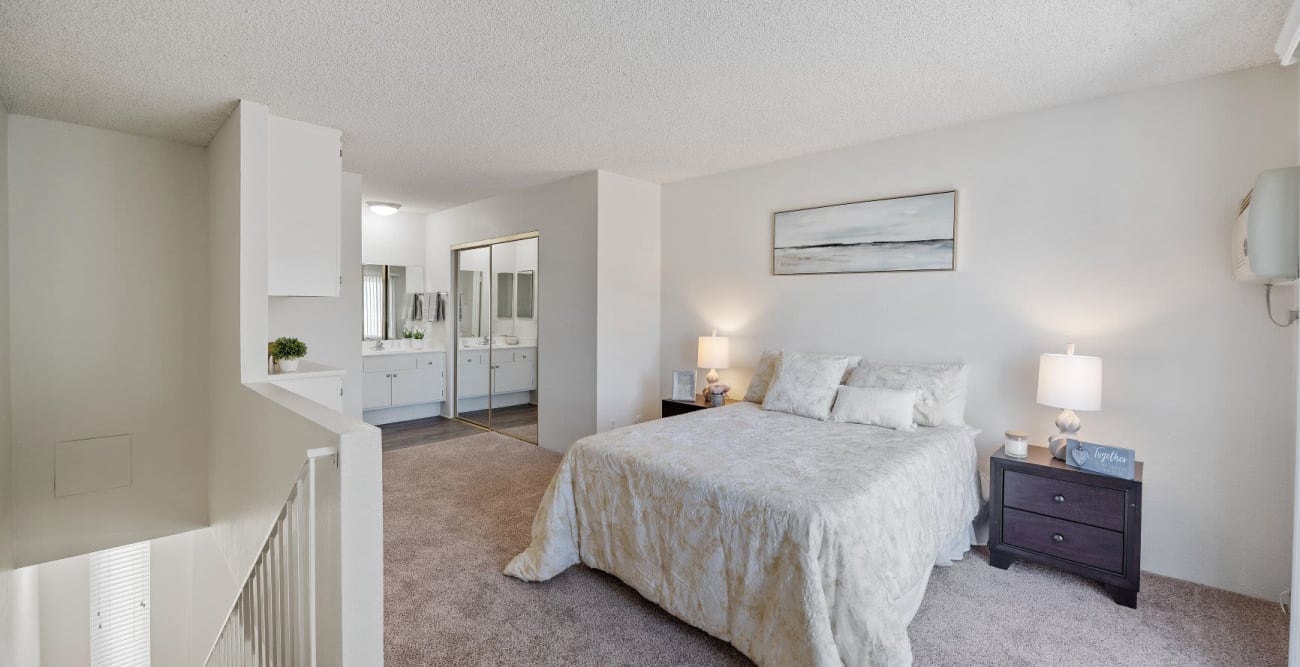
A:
<point x="511" y="417"/>
<point x="400" y="435"/>
<point x="424" y="431"/>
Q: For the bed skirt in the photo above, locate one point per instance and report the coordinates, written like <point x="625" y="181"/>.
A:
<point x="909" y="602"/>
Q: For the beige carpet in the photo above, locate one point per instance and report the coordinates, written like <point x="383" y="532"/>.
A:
<point x="456" y="511"/>
<point x="528" y="432"/>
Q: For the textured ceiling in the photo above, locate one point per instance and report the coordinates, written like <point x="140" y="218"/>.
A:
<point x="446" y="102"/>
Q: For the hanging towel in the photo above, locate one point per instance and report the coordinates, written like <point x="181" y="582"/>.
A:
<point x="440" y="307"/>
<point x="414" y="307"/>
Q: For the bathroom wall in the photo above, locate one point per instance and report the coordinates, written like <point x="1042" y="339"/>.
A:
<point x="394" y="239"/>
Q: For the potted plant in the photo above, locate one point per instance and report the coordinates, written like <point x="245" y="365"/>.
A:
<point x="287" y="352"/>
<point x="416" y="337"/>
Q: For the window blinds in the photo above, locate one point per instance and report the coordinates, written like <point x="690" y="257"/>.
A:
<point x="372" y="285"/>
<point x="119" y="606"/>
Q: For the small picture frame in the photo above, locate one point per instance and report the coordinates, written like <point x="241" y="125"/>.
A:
<point x="684" y="385"/>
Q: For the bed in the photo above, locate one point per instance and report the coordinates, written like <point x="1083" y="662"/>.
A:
<point x="801" y="542"/>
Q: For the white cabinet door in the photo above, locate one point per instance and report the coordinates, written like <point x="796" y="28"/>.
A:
<point x="304" y="188"/>
<point x="376" y="390"/>
<point x="417" y="386"/>
<point x="513" y="376"/>
<point x="472" y="375"/>
<point x="436" y="366"/>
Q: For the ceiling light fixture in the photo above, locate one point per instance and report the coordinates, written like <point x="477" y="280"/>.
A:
<point x="384" y="208"/>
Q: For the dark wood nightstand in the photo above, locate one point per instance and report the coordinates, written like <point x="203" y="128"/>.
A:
<point x="1042" y="510"/>
<point x="673" y="408"/>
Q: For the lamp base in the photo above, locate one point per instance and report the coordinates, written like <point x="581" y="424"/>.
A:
<point x="1068" y="424"/>
<point x="712" y="376"/>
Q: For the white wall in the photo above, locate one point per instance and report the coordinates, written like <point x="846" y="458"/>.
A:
<point x="64" y="605"/>
<point x="260" y="433"/>
<point x="171" y="583"/>
<point x="331" y="326"/>
<point x="1103" y="223"/>
<point x="65" y="611"/>
<point x="627" y="301"/>
<point x="25" y="634"/>
<point x="396" y="239"/>
<point x="564" y="213"/>
<point x="1294" y="643"/>
<point x="10" y="589"/>
<point x="109" y="330"/>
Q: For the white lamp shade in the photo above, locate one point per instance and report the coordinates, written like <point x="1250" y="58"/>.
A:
<point x="715" y="352"/>
<point x="1069" y="381"/>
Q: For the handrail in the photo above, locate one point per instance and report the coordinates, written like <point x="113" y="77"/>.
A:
<point x="273" y="618"/>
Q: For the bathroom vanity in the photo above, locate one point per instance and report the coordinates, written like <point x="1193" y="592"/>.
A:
<point x="402" y="384"/>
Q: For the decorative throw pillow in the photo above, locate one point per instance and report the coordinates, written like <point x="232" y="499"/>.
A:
<point x="805" y="384"/>
<point x="768" y="363"/>
<point x="941" y="397"/>
<point x="875" y="406"/>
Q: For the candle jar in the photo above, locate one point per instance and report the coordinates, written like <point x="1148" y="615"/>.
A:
<point x="1016" y="443"/>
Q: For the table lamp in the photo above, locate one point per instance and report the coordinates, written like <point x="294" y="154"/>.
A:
<point x="714" y="353"/>
<point x="1070" y="382"/>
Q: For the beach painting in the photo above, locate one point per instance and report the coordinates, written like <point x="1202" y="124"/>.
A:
<point x="916" y="233"/>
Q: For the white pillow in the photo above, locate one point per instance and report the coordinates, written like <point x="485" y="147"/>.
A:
<point x="805" y="384"/>
<point x="763" y="374"/>
<point x="768" y="363"/>
<point x="874" y="406"/>
<point x="941" y="397"/>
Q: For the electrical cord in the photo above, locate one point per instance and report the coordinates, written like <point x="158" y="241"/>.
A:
<point x="1291" y="315"/>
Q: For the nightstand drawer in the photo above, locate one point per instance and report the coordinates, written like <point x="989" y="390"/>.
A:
<point x="1094" y="505"/>
<point x="1089" y="545"/>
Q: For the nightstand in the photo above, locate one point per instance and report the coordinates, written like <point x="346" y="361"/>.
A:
<point x="672" y="408"/>
<point x="1042" y="510"/>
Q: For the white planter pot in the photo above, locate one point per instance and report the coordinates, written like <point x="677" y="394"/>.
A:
<point x="417" y="344"/>
<point x="288" y="365"/>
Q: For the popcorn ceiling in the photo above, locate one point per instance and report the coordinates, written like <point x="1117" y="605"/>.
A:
<point x="443" y="103"/>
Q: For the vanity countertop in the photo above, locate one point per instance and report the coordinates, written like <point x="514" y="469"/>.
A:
<point x="390" y="351"/>
<point x="499" y="346"/>
<point x="306" y="370"/>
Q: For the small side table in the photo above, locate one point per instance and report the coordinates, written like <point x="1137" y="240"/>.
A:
<point x="1042" y="510"/>
<point x="672" y="408"/>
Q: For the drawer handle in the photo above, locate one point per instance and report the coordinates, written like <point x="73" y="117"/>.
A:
<point x="1058" y="498"/>
<point x="1057" y="537"/>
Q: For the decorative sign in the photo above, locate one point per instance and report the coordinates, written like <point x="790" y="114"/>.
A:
<point x="1103" y="460"/>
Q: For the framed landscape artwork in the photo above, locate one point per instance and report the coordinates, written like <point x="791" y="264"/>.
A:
<point x="914" y="233"/>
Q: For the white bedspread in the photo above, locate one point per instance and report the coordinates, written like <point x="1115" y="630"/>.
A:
<point x="789" y="537"/>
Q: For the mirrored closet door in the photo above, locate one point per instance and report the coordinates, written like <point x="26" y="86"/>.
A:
<point x="496" y="335"/>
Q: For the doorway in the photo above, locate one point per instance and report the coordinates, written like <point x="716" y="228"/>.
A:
<point x="497" y="347"/>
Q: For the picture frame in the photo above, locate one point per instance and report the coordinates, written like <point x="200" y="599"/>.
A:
<point x="684" y="385"/>
<point x="892" y="234"/>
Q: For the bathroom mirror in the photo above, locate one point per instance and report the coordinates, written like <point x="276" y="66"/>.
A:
<point x="524" y="294"/>
<point x="497" y="346"/>
<point x="386" y="292"/>
<point x="471" y="304"/>
<point x="392" y="300"/>
<point x="505" y="295"/>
